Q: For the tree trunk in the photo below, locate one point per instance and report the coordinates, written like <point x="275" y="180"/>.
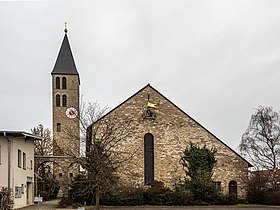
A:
<point x="97" y="198"/>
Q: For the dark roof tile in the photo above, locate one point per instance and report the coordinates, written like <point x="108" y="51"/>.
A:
<point x="65" y="63"/>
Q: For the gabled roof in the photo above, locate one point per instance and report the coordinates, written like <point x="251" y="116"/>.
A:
<point x="65" y="63"/>
<point x="20" y="134"/>
<point x="148" y="85"/>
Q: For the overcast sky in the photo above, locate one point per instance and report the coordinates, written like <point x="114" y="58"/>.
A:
<point x="217" y="60"/>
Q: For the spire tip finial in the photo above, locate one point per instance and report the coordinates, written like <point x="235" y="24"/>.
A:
<point x="65" y="27"/>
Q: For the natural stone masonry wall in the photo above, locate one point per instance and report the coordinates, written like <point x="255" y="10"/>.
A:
<point x="63" y="143"/>
<point x="173" y="130"/>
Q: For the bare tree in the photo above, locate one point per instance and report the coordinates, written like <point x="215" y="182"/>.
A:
<point x="260" y="143"/>
<point x="44" y="147"/>
<point x="46" y="185"/>
<point x="101" y="136"/>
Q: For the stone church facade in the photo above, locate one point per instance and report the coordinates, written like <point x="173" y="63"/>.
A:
<point x="160" y="133"/>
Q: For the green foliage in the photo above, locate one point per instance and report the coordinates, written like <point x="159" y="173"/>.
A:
<point x="99" y="178"/>
<point x="198" y="188"/>
<point x="260" y="193"/>
<point x="5" y="198"/>
<point x="198" y="164"/>
<point x="158" y="194"/>
<point x="78" y="190"/>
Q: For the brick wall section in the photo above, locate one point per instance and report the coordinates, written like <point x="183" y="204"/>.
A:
<point x="172" y="130"/>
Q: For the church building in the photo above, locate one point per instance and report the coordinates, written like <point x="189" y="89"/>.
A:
<point x="159" y="133"/>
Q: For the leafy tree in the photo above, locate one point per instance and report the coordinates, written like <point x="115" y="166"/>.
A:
<point x="46" y="185"/>
<point x="260" y="143"/>
<point x="5" y="198"/>
<point x="199" y="163"/>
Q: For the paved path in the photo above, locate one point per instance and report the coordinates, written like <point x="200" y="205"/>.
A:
<point x="53" y="204"/>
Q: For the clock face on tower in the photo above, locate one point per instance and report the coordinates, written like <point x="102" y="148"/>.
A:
<point x="71" y="112"/>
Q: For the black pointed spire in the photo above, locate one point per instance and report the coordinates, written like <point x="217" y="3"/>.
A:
<point x="65" y="63"/>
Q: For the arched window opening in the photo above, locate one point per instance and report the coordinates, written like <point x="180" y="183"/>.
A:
<point x="64" y="100"/>
<point x="57" y="83"/>
<point x="57" y="100"/>
<point x="58" y="127"/>
<point x="232" y="188"/>
<point x="64" y="83"/>
<point x="148" y="158"/>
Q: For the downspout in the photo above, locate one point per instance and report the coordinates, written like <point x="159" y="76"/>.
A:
<point x="9" y="168"/>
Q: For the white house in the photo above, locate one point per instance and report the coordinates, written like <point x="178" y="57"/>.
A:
<point x="17" y="166"/>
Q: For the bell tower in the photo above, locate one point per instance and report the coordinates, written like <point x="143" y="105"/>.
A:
<point x="65" y="113"/>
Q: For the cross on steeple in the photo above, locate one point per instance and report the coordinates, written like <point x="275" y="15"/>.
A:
<point x="65" y="27"/>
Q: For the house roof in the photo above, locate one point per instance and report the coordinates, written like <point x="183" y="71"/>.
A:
<point x="148" y="85"/>
<point x="20" y="134"/>
<point x="267" y="172"/>
<point x="65" y="63"/>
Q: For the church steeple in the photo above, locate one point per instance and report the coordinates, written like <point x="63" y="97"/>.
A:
<point x="65" y="111"/>
<point x="65" y="63"/>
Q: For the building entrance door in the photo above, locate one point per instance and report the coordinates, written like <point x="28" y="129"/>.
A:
<point x="28" y="193"/>
<point x="233" y="188"/>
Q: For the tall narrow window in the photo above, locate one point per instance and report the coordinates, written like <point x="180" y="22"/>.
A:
<point x="58" y="127"/>
<point x="148" y="158"/>
<point x="64" y="100"/>
<point x="57" y="83"/>
<point x="19" y="158"/>
<point x="0" y="154"/>
<point x="57" y="100"/>
<point x="64" y="83"/>
<point x="24" y="160"/>
<point x="31" y="164"/>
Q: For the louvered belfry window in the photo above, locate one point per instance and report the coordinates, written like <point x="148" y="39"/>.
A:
<point x="57" y="83"/>
<point x="148" y="158"/>
<point x="64" y="83"/>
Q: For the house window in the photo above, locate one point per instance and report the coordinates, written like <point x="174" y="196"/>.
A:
<point x="58" y="127"/>
<point x="31" y="164"/>
<point x="57" y="100"/>
<point x="217" y="186"/>
<point x="64" y="83"/>
<point x="22" y="189"/>
<point x="19" y="158"/>
<point x="24" y="160"/>
<point x="64" y="100"/>
<point x="0" y="155"/>
<point x="57" y="83"/>
<point x="148" y="158"/>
